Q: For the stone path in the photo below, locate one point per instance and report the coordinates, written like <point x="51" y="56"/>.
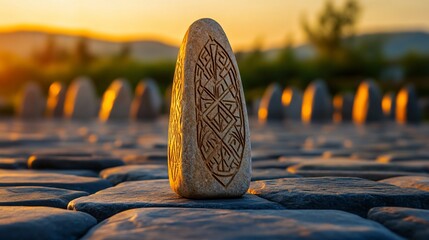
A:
<point x="93" y="180"/>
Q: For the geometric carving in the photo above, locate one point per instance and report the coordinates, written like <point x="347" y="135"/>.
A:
<point x="219" y="114"/>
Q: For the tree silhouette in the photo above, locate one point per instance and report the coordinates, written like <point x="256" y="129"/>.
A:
<point x="82" y="53"/>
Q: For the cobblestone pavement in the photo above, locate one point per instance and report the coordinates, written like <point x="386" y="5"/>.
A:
<point x="92" y="180"/>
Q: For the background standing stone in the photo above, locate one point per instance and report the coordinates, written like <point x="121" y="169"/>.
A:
<point x="209" y="141"/>
<point x="292" y="103"/>
<point x="116" y="101"/>
<point x="316" y="104"/>
<point x="367" y="103"/>
<point x="271" y="107"/>
<point x="407" y="107"/>
<point x="147" y="103"/>
<point x="388" y="104"/>
<point x="32" y="102"/>
<point x="81" y="101"/>
<point x="56" y="98"/>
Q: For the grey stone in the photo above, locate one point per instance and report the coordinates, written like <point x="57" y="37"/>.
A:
<point x="408" y="222"/>
<point x="292" y="103"/>
<point x="43" y="223"/>
<point x="270" y="173"/>
<point x="271" y="107"/>
<point x="177" y="223"/>
<point x="407" y="106"/>
<point x="316" y="103"/>
<point x="418" y="182"/>
<point x="367" y="103"/>
<point x="82" y="173"/>
<point x="208" y="132"/>
<point x="32" y="104"/>
<point x="116" y="101"/>
<point x="81" y="101"/>
<point x="23" y="178"/>
<point x="156" y="193"/>
<point x="388" y="104"/>
<point x="57" y="162"/>
<point x="370" y="175"/>
<point x="415" y="156"/>
<point x="343" y="105"/>
<point x="13" y="163"/>
<point x="37" y="196"/>
<point x="56" y="98"/>
<point x="120" y="174"/>
<point x="353" y="195"/>
<point x="147" y="103"/>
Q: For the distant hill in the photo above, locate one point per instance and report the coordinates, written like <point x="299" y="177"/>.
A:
<point x="26" y="43"/>
<point x="396" y="44"/>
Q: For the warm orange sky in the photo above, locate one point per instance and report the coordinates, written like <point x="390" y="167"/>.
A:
<point x="244" y="21"/>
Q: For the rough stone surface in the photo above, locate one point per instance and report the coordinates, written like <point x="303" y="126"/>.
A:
<point x="209" y="137"/>
<point x="270" y="173"/>
<point x="81" y="101"/>
<point x="147" y="103"/>
<point x="177" y="223"/>
<point x="407" y="222"/>
<point x="370" y="175"/>
<point x="37" y="196"/>
<point x="86" y="184"/>
<point x="418" y="182"/>
<point x="353" y="195"/>
<point x="43" y="223"/>
<point x="117" y="175"/>
<point x="271" y="107"/>
<point x="116" y="101"/>
<point x="56" y="98"/>
<point x="59" y="162"/>
<point x="156" y="193"/>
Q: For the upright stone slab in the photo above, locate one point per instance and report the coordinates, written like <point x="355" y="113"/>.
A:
<point x="81" y="100"/>
<point x="367" y="103"/>
<point x="292" y="103"/>
<point x="388" y="104"/>
<point x="147" y="103"/>
<point x="343" y="105"/>
<point x="56" y="98"/>
<point x="116" y="101"/>
<point x="271" y="107"/>
<point x="208" y="135"/>
<point x="407" y="107"/>
<point x="316" y="104"/>
<point x="32" y="102"/>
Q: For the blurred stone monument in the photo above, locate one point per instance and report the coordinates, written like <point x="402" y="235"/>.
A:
<point x="116" y="101"/>
<point x="367" y="103"/>
<point x="32" y="103"/>
<point x="343" y="106"/>
<point x="292" y="103"/>
<point x="147" y="103"/>
<point x="56" y="98"/>
<point x="208" y="136"/>
<point x="316" y="103"/>
<point x="81" y="101"/>
<point x="271" y="107"/>
<point x="407" y="106"/>
<point x="388" y="104"/>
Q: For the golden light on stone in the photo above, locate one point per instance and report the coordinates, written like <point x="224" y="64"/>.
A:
<point x="338" y="107"/>
<point x="360" y="104"/>
<point x="287" y="97"/>
<point x="54" y="95"/>
<point x="401" y="106"/>
<point x="262" y="114"/>
<point x="307" y="104"/>
<point x="386" y="104"/>
<point x="107" y="104"/>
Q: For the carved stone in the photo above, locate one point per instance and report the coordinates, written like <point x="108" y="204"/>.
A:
<point x="209" y="138"/>
<point x="32" y="104"/>
<point x="367" y="103"/>
<point x="147" y="103"/>
<point x="81" y="100"/>
<point x="56" y="98"/>
<point x="116" y="101"/>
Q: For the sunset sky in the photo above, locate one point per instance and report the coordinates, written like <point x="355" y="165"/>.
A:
<point x="245" y="21"/>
